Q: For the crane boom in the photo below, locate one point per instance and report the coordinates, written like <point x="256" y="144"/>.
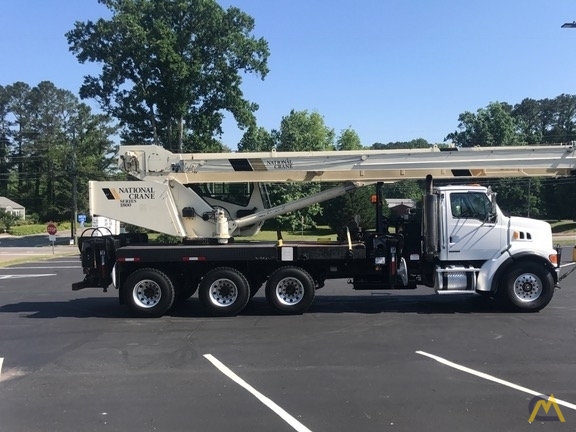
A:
<point x="150" y="162"/>
<point x="174" y="196"/>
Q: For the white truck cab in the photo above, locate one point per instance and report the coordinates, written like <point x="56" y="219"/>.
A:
<point x="474" y="247"/>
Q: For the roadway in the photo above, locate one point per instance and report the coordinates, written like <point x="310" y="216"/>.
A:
<point x="34" y="247"/>
<point x="357" y="361"/>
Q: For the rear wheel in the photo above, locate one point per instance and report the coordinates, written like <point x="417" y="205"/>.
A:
<point x="224" y="291"/>
<point x="290" y="290"/>
<point x="527" y="287"/>
<point x="149" y="292"/>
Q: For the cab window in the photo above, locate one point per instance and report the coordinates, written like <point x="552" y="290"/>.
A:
<point x="470" y="205"/>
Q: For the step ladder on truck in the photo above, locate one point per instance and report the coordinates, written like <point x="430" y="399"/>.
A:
<point x="461" y="244"/>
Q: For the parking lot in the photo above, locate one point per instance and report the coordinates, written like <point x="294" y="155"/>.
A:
<point x="358" y="361"/>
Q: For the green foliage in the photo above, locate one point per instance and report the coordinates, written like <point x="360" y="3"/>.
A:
<point x="256" y="139"/>
<point x="50" y="138"/>
<point x="299" y="131"/>
<point x="348" y="140"/>
<point x="557" y="197"/>
<point x="168" y="239"/>
<point x="340" y="211"/>
<point x="135" y="229"/>
<point x="531" y="121"/>
<point x="519" y="197"/>
<point x="8" y="219"/>
<point x="490" y="126"/>
<point x="282" y="193"/>
<point x="411" y="189"/>
<point x="170" y="68"/>
<point x="32" y="218"/>
<point x="30" y="229"/>
<point x="304" y="131"/>
<point x="414" y="144"/>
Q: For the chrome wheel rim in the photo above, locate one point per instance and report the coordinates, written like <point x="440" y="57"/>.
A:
<point x="223" y="292"/>
<point x="290" y="291"/>
<point x="147" y="294"/>
<point x="527" y="287"/>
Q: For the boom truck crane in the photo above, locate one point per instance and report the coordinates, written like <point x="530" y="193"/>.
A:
<point x="461" y="244"/>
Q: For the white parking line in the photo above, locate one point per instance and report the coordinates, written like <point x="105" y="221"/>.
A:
<point x="492" y="378"/>
<point x="38" y="267"/>
<point x="266" y="401"/>
<point x="1" y="361"/>
<point x="9" y="276"/>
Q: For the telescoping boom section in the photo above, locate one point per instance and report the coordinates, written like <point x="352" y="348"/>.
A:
<point x="151" y="162"/>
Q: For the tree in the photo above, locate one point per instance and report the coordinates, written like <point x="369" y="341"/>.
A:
<point x="563" y="129"/>
<point x="490" y="126"/>
<point x="8" y="219"/>
<point x="170" y="68"/>
<point x="5" y="133"/>
<point x="52" y="140"/>
<point x="348" y="140"/>
<point x="558" y="197"/>
<point x="529" y="121"/>
<point x="256" y="139"/>
<point x="520" y="196"/>
<point x="411" y="189"/>
<point x="339" y="212"/>
<point x="414" y="144"/>
<point x="304" y="131"/>
<point x="300" y="131"/>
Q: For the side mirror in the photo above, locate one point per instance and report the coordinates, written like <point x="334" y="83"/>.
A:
<point x="494" y="206"/>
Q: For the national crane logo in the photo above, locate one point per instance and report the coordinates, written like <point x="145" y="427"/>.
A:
<point x="279" y="164"/>
<point x="129" y="195"/>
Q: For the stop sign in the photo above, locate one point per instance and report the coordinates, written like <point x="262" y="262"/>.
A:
<point x="51" y="228"/>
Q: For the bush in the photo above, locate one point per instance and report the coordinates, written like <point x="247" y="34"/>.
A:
<point x="8" y="219"/>
<point x="168" y="239"/>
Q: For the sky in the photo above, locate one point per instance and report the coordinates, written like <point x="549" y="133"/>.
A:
<point x="392" y="70"/>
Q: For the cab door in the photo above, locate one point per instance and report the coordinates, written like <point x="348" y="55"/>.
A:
<point x="472" y="232"/>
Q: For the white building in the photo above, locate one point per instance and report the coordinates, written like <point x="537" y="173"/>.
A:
<point x="10" y="206"/>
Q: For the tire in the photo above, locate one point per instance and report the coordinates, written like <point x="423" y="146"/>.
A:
<point x="149" y="293"/>
<point x="527" y="287"/>
<point x="224" y="291"/>
<point x="290" y="290"/>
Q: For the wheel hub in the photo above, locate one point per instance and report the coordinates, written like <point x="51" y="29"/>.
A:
<point x="147" y="293"/>
<point x="223" y="292"/>
<point x="527" y="287"/>
<point x="290" y="291"/>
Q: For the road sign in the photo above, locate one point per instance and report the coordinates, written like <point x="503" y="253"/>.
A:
<point x="51" y="228"/>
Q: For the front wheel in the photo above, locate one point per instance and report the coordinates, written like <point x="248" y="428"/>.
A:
<point x="224" y="291"/>
<point x="290" y="290"/>
<point x="527" y="287"/>
<point x="149" y="292"/>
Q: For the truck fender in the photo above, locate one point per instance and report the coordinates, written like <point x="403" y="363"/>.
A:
<point x="493" y="271"/>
